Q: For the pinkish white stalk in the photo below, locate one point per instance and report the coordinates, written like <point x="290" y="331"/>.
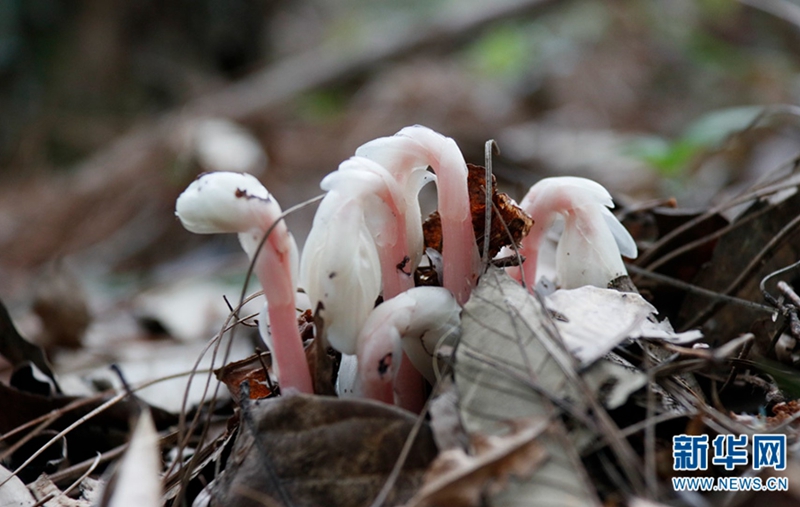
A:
<point x="399" y="249"/>
<point x="589" y="249"/>
<point x="411" y="174"/>
<point x="418" y="147"/>
<point x="225" y="202"/>
<point x="364" y="202"/>
<point x="393" y="239"/>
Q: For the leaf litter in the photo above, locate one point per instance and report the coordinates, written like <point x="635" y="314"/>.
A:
<point x="571" y="399"/>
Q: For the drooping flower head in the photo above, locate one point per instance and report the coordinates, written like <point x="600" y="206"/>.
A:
<point x="413" y="149"/>
<point x="405" y="331"/>
<point x="589" y="249"/>
<point x="227" y="202"/>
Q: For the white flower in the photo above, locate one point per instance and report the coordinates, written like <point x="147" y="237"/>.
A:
<point x="589" y="249"/>
<point x="416" y="322"/>
<point x="226" y="202"/>
<point x="407" y="153"/>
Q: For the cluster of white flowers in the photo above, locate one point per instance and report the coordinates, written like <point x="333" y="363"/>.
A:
<point x="366" y="241"/>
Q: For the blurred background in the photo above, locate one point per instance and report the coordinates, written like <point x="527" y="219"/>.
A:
<point x="111" y="107"/>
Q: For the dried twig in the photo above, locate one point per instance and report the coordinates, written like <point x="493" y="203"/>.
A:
<point x="748" y="270"/>
<point x="700" y="291"/>
<point x="646" y="258"/>
<point x="98" y="410"/>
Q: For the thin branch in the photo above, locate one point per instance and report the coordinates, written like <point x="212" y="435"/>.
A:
<point x="751" y="267"/>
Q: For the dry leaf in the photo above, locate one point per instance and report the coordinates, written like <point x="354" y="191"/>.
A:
<point x="614" y="380"/>
<point x="457" y="479"/>
<point x="315" y="450"/>
<point x="62" y="305"/>
<point x="250" y="370"/>
<point x="592" y="321"/>
<point x="505" y="211"/>
<point x="507" y="343"/>
<point x="43" y="488"/>
<point x="733" y="253"/>
<point x="13" y="492"/>
<point x="445" y="419"/>
<point x="17" y="349"/>
<point x="137" y="482"/>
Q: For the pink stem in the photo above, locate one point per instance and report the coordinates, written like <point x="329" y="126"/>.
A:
<point x="376" y="388"/>
<point x="287" y="350"/>
<point x="529" y="249"/>
<point x="408" y="384"/>
<point x="395" y="261"/>
<point x="409" y="387"/>
<point x="274" y="271"/>
<point x="459" y="250"/>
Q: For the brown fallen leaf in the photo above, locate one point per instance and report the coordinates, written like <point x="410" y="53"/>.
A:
<point x="457" y="479"/>
<point x="732" y="271"/>
<point x="252" y="370"/>
<point x="504" y="210"/>
<point x="15" y="348"/>
<point x="316" y="450"/>
<point x="61" y="303"/>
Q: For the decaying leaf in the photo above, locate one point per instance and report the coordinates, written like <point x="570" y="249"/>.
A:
<point x="445" y="419"/>
<point x="250" y="370"/>
<point x="17" y="349"/>
<point x="315" y="450"/>
<point x="137" y="482"/>
<point x="592" y="321"/>
<point x="457" y="479"/>
<point x="731" y="271"/>
<point x="61" y="304"/>
<point x="504" y="210"/>
<point x="13" y="492"/>
<point x="506" y="348"/>
<point x="49" y="495"/>
<point x="613" y="380"/>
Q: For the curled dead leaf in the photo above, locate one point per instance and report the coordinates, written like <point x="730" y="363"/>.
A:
<point x="252" y="370"/>
<point x="457" y="479"/>
<point x="505" y="210"/>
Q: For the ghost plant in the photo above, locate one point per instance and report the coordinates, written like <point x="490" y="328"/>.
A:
<point x="393" y="221"/>
<point x="415" y="322"/>
<point x="588" y="252"/>
<point x="227" y="202"/>
<point x="413" y="149"/>
<point x="357" y="244"/>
